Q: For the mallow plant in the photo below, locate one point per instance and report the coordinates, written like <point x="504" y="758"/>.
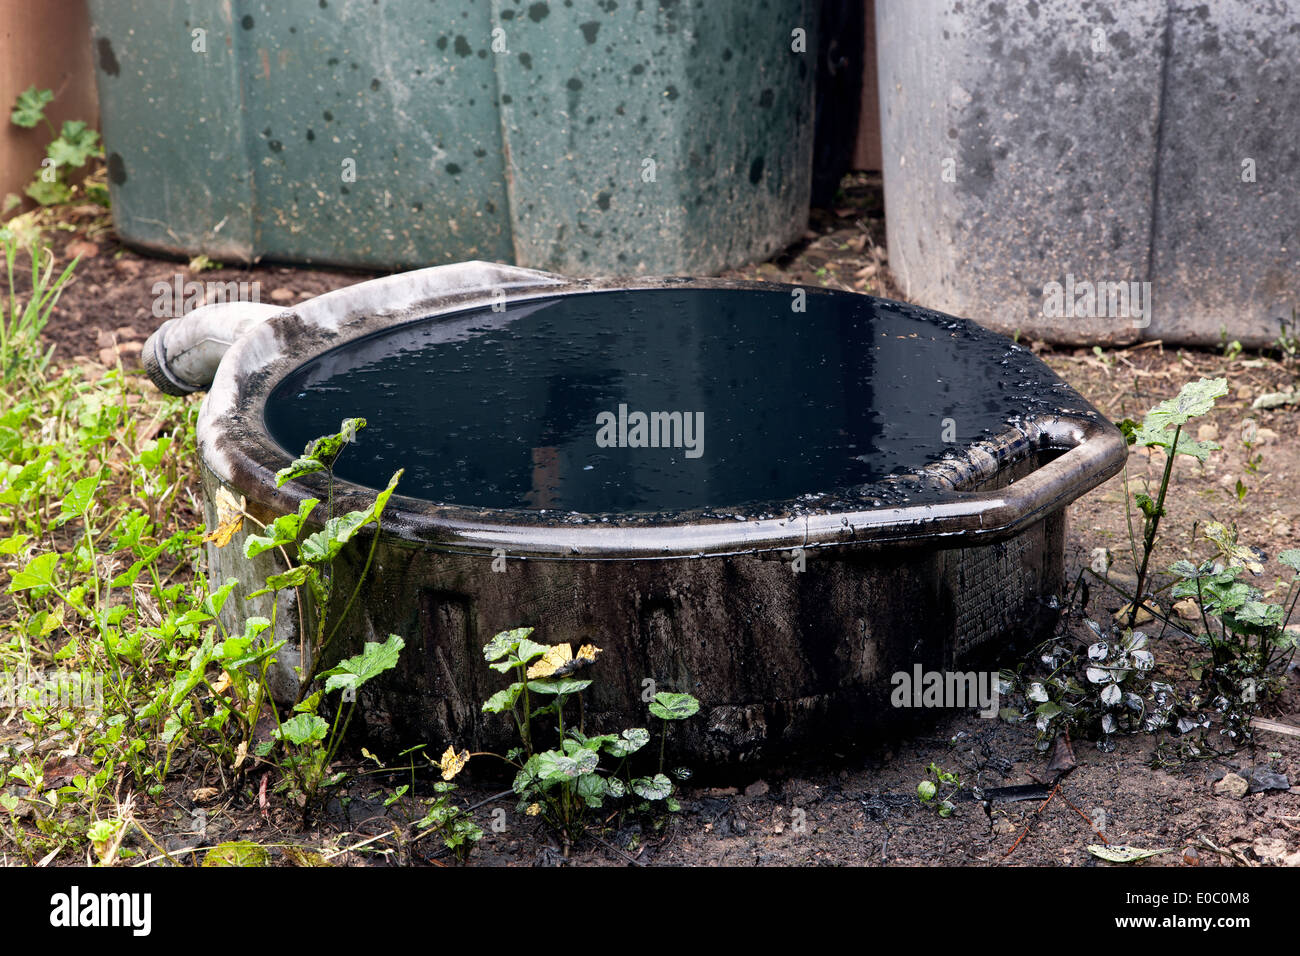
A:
<point x="580" y="770"/>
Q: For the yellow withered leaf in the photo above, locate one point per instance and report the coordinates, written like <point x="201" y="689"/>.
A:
<point x="222" y="683"/>
<point x="230" y="518"/>
<point x="559" y="661"/>
<point x="534" y="809"/>
<point x="453" y="763"/>
<point x="222" y="533"/>
<point x="228" y="506"/>
<point x="555" y="657"/>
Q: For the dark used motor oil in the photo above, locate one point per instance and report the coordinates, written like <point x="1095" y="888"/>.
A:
<point x="504" y="409"/>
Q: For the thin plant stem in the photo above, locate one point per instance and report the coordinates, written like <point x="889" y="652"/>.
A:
<point x="1149" y="539"/>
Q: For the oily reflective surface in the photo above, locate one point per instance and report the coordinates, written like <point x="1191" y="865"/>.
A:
<point x="658" y="400"/>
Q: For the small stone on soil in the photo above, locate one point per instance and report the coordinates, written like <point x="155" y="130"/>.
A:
<point x="1143" y="615"/>
<point x="1232" y="786"/>
<point x="1270" y="850"/>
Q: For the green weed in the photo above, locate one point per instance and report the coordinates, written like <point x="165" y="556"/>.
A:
<point x="70" y="148"/>
<point x="563" y="783"/>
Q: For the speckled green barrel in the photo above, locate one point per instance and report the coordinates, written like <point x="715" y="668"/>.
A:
<point x="660" y="136"/>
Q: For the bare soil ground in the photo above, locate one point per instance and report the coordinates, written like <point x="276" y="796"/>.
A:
<point x="865" y="811"/>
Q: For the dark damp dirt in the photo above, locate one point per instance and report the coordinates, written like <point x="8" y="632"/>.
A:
<point x="854" y="811"/>
<point x="109" y="308"/>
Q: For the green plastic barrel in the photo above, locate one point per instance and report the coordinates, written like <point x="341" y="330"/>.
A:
<point x="615" y="136"/>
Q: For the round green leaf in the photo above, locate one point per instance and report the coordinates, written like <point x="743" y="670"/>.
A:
<point x="304" y="728"/>
<point x="564" y="685"/>
<point x="668" y="706"/>
<point x="652" y="788"/>
<point x="629" y="742"/>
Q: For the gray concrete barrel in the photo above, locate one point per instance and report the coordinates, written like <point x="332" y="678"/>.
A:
<point x="1095" y="172"/>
